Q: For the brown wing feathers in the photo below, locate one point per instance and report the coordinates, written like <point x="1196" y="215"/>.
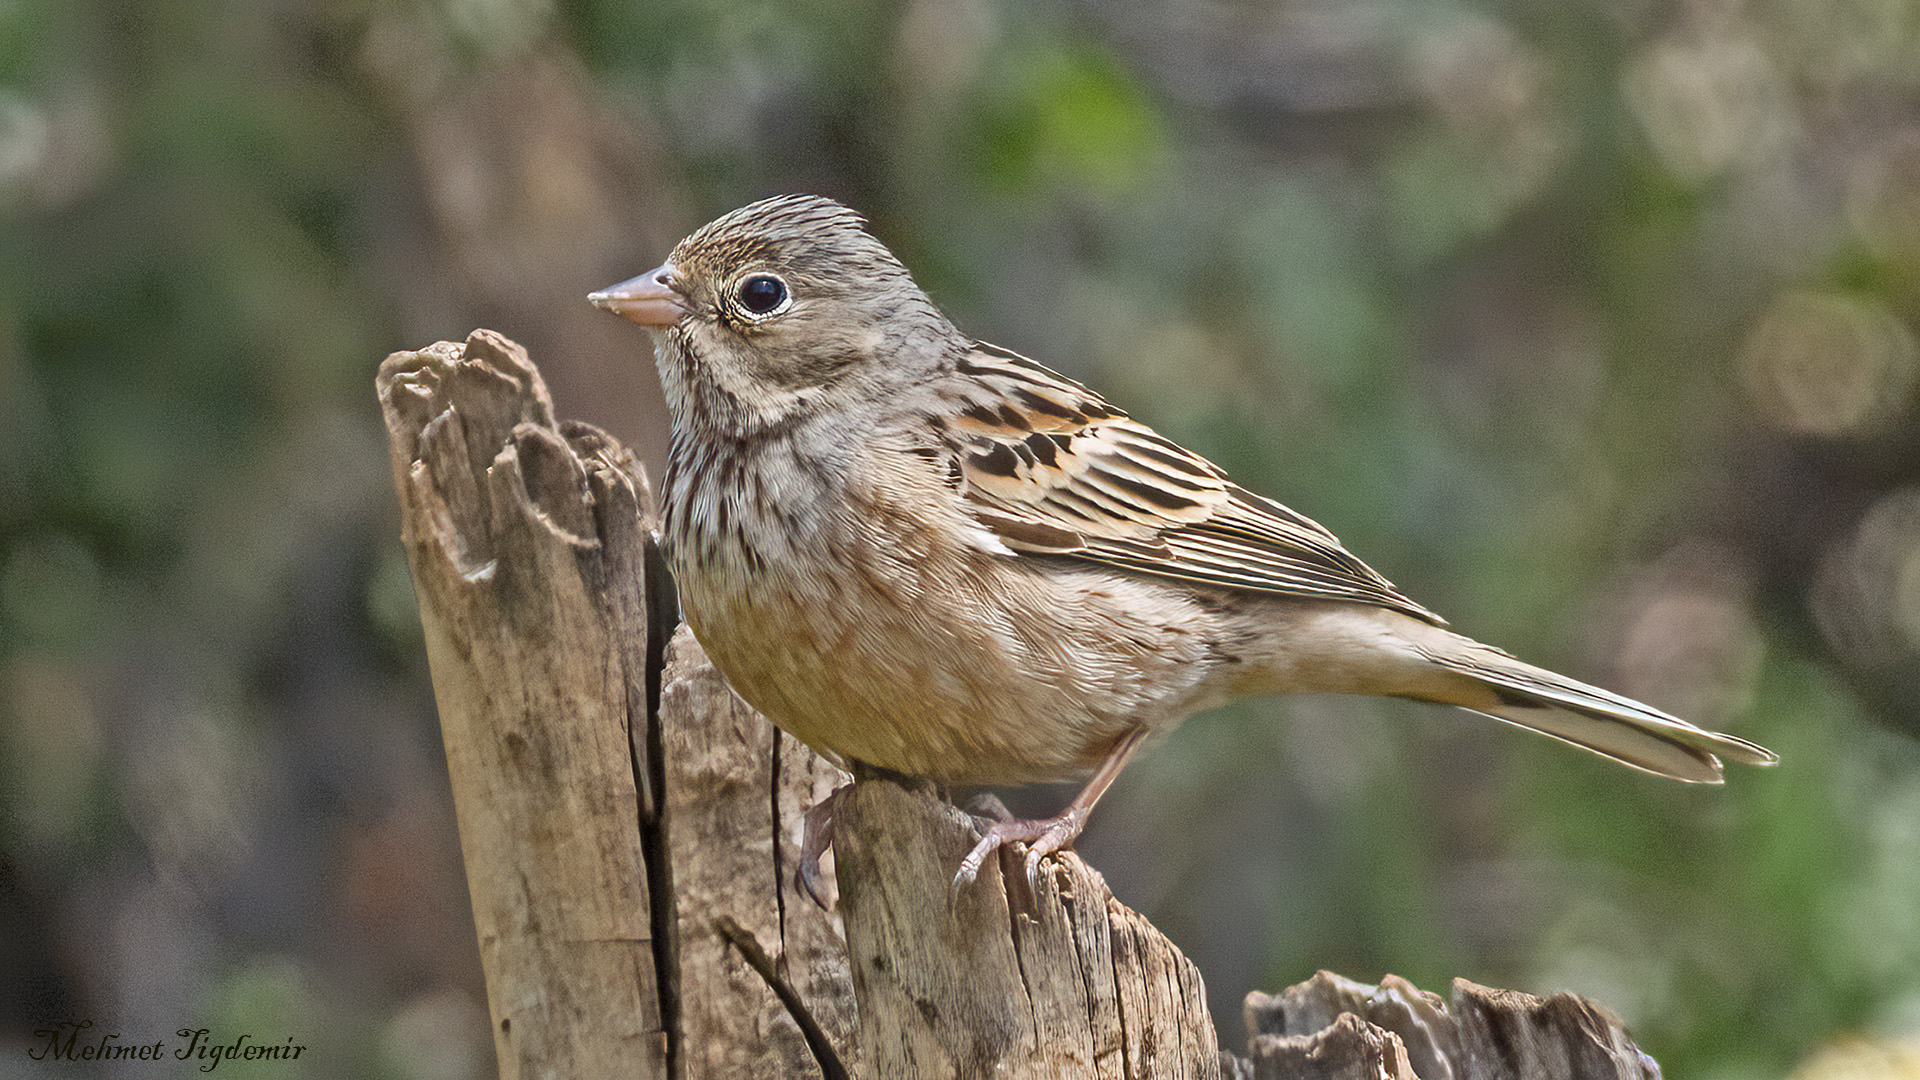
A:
<point x="1062" y="472"/>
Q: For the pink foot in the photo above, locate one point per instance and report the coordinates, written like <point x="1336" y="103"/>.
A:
<point x="816" y="836"/>
<point x="1043" y="837"/>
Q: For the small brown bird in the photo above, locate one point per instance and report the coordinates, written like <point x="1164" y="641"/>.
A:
<point x="931" y="554"/>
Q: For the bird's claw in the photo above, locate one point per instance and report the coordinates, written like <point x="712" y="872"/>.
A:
<point x="1043" y="837"/>
<point x="988" y="805"/>
<point x="816" y="836"/>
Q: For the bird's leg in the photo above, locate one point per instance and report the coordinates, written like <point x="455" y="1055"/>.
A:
<point x="816" y="830"/>
<point x="816" y="835"/>
<point x="988" y="805"/>
<point x="1044" y="836"/>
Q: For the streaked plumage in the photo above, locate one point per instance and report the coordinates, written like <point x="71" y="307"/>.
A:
<point x="1052" y="469"/>
<point x="937" y="556"/>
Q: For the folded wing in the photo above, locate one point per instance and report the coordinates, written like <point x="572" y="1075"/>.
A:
<point x="1052" y="469"/>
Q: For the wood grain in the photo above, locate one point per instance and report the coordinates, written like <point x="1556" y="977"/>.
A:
<point x="533" y="669"/>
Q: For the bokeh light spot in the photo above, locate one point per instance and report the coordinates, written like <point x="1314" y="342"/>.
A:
<point x="1883" y="200"/>
<point x="1866" y="596"/>
<point x="26" y="137"/>
<point x="1709" y="104"/>
<point x="1828" y="364"/>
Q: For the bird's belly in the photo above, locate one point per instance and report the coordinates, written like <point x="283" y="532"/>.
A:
<point x="976" y="678"/>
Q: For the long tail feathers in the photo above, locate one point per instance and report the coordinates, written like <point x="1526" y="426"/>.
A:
<point x="1591" y="718"/>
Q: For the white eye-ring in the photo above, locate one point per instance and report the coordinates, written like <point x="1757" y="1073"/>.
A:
<point x="763" y="295"/>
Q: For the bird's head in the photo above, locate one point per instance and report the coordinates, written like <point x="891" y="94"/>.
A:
<point x="777" y="308"/>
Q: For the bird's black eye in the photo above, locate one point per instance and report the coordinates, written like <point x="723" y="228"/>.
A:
<point x="762" y="294"/>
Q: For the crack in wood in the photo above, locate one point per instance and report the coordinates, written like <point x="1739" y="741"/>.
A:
<point x="756" y="957"/>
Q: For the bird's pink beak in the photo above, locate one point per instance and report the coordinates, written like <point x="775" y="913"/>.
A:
<point x="648" y="299"/>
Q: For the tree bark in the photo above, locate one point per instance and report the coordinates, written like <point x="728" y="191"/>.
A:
<point x="524" y="540"/>
<point x="632" y="829"/>
<point x="761" y="976"/>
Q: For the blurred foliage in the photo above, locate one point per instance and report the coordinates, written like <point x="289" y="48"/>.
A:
<point x="1591" y="324"/>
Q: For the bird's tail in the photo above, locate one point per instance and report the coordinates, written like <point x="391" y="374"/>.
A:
<point x="1498" y="685"/>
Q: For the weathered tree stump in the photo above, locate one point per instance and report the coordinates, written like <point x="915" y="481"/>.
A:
<point x="527" y="544"/>
<point x="631" y="831"/>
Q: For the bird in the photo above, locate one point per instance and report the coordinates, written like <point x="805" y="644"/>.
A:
<point x="927" y="554"/>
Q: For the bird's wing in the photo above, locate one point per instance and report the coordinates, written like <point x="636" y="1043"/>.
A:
<point x="1051" y="469"/>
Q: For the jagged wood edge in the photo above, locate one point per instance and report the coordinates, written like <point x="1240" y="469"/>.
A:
<point x="531" y="671"/>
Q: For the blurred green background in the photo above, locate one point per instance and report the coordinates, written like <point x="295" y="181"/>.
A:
<point x="1590" y="323"/>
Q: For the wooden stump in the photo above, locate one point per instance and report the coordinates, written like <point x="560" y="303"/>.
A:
<point x="526" y="550"/>
<point x="631" y="831"/>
